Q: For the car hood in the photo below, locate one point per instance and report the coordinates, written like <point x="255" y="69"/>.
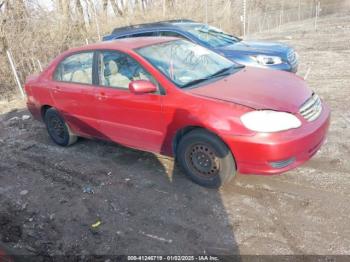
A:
<point x="255" y="47"/>
<point x="259" y="89"/>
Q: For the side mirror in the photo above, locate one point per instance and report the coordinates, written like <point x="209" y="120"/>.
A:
<point x="142" y="87"/>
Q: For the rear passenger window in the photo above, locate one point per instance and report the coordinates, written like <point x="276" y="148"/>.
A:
<point x="76" y="68"/>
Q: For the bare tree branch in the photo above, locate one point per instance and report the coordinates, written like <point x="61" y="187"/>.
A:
<point x="104" y="7"/>
<point x="116" y="8"/>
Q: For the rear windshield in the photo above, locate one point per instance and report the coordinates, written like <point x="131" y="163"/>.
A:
<point x="213" y="36"/>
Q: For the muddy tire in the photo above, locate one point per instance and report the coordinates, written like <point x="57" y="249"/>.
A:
<point x="206" y="159"/>
<point x="58" y="129"/>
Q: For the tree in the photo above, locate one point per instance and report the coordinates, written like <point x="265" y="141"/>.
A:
<point x="118" y="7"/>
<point x="105" y="7"/>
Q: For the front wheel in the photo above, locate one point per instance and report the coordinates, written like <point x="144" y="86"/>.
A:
<point x="58" y="129"/>
<point x="206" y="159"/>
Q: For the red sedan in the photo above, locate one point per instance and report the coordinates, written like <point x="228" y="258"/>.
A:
<point x="176" y="98"/>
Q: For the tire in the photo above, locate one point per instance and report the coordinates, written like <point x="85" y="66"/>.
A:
<point x="57" y="128"/>
<point x="206" y="159"/>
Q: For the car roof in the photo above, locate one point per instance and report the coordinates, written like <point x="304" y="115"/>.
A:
<point x="156" y="25"/>
<point x="124" y="44"/>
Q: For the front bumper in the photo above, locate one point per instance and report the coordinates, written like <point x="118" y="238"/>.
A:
<point x="275" y="153"/>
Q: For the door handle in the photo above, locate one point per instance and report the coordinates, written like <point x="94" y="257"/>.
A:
<point x="56" y="89"/>
<point x="101" y="96"/>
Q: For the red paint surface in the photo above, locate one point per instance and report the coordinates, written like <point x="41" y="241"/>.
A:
<point x="260" y="89"/>
<point x="150" y="121"/>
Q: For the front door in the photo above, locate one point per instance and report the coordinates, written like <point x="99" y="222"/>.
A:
<point x="131" y="119"/>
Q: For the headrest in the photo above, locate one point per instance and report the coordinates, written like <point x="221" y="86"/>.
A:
<point x="113" y="67"/>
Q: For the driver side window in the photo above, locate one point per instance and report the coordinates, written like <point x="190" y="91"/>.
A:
<point x="118" y="70"/>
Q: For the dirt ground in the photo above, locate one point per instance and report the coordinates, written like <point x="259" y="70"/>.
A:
<point x="51" y="196"/>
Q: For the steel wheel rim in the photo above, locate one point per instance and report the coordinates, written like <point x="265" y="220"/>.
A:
<point x="202" y="160"/>
<point x="56" y="127"/>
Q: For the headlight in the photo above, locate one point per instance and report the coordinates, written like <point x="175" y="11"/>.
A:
<point x="269" y="121"/>
<point x="267" y="60"/>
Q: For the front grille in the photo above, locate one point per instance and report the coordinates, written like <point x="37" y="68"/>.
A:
<point x="312" y="108"/>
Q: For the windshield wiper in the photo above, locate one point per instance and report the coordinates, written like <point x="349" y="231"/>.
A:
<point x="194" y="82"/>
<point x="221" y="72"/>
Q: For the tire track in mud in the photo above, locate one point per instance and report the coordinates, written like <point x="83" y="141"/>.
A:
<point x="41" y="157"/>
<point x="26" y="163"/>
<point x="25" y="155"/>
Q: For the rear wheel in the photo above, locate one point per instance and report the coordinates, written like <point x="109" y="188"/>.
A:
<point x="206" y="159"/>
<point x="58" y="129"/>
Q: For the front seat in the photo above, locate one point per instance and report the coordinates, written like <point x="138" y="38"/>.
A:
<point x="116" y="79"/>
<point x="82" y="76"/>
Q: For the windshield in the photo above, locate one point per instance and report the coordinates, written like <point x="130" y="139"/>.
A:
<point x="185" y="63"/>
<point x="212" y="35"/>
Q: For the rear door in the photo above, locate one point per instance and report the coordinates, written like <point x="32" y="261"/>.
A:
<point x="126" y="118"/>
<point x="74" y="92"/>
